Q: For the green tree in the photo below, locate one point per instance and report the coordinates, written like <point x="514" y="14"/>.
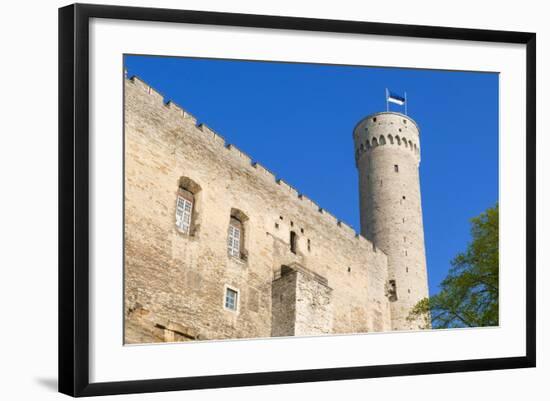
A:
<point x="469" y="293"/>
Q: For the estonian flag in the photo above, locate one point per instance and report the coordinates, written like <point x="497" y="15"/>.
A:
<point x="393" y="98"/>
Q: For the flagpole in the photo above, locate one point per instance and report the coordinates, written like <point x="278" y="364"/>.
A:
<point x="387" y="104"/>
<point x="406" y="104"/>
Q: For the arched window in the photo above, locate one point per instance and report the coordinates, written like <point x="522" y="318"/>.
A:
<point x="236" y="235"/>
<point x="411" y="145"/>
<point x="362" y="147"/>
<point x="405" y="142"/>
<point x="374" y="142"/>
<point x="382" y="140"/>
<point x="390" y="138"/>
<point x="186" y="201"/>
<point x="367" y="144"/>
<point x="398" y="140"/>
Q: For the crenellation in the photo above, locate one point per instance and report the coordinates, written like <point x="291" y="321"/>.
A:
<point x="308" y="202"/>
<point x="156" y="95"/>
<point x="347" y="228"/>
<point x="211" y="135"/>
<point x="219" y="140"/>
<point x="287" y="187"/>
<point x="139" y="83"/>
<point x="240" y="156"/>
<point x="338" y="277"/>
<point x="263" y="172"/>
<point x="174" y="107"/>
<point x="330" y="218"/>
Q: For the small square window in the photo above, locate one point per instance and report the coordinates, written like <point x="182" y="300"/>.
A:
<point x="231" y="299"/>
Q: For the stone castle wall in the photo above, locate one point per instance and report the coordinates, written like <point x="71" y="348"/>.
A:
<point x="175" y="282"/>
<point x="387" y="147"/>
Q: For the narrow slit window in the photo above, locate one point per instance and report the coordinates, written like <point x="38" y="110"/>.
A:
<point x="396" y="168"/>
<point x="293" y="241"/>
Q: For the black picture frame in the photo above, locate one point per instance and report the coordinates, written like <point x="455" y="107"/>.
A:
<point x="74" y="194"/>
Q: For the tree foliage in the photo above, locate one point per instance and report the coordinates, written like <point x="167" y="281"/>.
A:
<point x="469" y="293"/>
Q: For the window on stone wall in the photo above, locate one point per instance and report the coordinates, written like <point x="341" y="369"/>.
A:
<point x="293" y="242"/>
<point x="396" y="168"/>
<point x="184" y="210"/>
<point x="236" y="235"/>
<point x="186" y="205"/>
<point x="234" y="238"/>
<point x="231" y="299"/>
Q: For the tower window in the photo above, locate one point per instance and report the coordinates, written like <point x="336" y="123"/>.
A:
<point x="309" y="245"/>
<point x="392" y="291"/>
<point x="396" y="168"/>
<point x="231" y="299"/>
<point x="293" y="241"/>
<point x="349" y="269"/>
<point x="374" y="119"/>
<point x="404" y="197"/>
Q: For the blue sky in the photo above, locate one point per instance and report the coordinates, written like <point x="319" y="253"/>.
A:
<point x="263" y="107"/>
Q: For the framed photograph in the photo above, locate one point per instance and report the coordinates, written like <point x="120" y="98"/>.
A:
<point x="251" y="199"/>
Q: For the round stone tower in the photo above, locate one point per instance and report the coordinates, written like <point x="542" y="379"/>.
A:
<point x="387" y="154"/>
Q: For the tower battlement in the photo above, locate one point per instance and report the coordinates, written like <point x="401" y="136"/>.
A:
<point x="387" y="129"/>
<point x="387" y="155"/>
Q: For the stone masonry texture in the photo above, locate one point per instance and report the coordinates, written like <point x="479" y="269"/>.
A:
<point x="387" y="147"/>
<point x="333" y="281"/>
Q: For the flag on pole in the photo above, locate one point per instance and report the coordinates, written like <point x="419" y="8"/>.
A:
<point x="393" y="98"/>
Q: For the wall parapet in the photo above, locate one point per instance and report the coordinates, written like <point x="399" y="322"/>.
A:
<point x="243" y="158"/>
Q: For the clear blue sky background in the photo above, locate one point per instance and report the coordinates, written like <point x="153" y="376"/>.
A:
<point x="297" y="120"/>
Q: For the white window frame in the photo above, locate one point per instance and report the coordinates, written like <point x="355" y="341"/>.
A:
<point x="234" y="238"/>
<point x="226" y="290"/>
<point x="184" y="214"/>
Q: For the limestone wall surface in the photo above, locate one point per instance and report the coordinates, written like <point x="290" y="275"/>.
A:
<point x="388" y="154"/>
<point x="182" y="278"/>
